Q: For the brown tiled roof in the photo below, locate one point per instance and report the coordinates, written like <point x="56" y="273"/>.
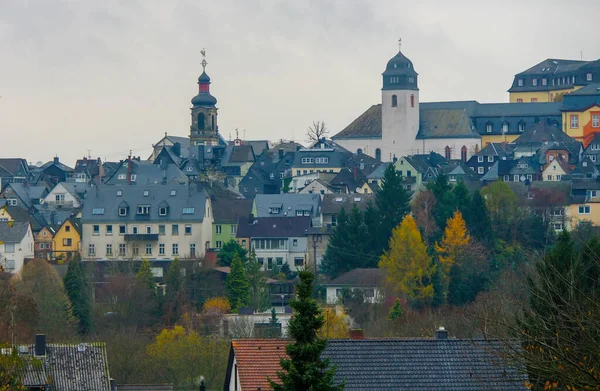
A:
<point x="258" y="360"/>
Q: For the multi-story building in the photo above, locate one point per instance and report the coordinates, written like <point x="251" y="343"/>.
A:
<point x="66" y="242"/>
<point x="154" y="222"/>
<point x="288" y="205"/>
<point x="551" y="78"/>
<point x="43" y="243"/>
<point x="581" y="113"/>
<point x="226" y="215"/>
<point x="16" y="245"/>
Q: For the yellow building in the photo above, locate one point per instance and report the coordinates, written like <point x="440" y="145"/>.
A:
<point x="581" y="113"/>
<point x="549" y="80"/>
<point x="67" y="240"/>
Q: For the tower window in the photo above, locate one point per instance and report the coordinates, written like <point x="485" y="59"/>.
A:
<point x="463" y="154"/>
<point x="412" y="101"/>
<point x="200" y="121"/>
<point x="212" y="127"/>
<point x="394" y="101"/>
<point x="447" y="152"/>
<point x="378" y="154"/>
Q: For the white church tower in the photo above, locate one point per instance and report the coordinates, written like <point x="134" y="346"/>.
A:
<point x="399" y="108"/>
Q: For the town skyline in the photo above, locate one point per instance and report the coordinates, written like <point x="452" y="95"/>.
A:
<point x="112" y="79"/>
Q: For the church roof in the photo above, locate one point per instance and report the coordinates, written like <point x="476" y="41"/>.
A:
<point x="445" y="124"/>
<point x="368" y="124"/>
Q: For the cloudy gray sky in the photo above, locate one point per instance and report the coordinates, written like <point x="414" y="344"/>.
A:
<point x="111" y="76"/>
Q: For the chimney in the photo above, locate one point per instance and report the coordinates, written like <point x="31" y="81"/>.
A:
<point x="129" y="170"/>
<point x="251" y="219"/>
<point x="56" y="159"/>
<point x="357" y="334"/>
<point x="100" y="169"/>
<point x="40" y="345"/>
<point x="441" y="333"/>
<point x="355" y="173"/>
<point x="280" y="153"/>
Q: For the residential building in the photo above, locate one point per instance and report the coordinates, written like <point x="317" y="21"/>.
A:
<point x="349" y="181"/>
<point x="13" y="170"/>
<point x="155" y="222"/>
<point x="52" y="172"/>
<point x="68" y="194"/>
<point x="581" y="112"/>
<point x="267" y="174"/>
<point x="299" y="183"/>
<point x="14" y="213"/>
<point x="23" y="195"/>
<point x="369" y="282"/>
<point x="43" y="243"/>
<point x="237" y="159"/>
<point x="592" y="151"/>
<point x="585" y="202"/>
<point x="310" y="160"/>
<point x="585" y="169"/>
<point x="87" y="170"/>
<point x="226" y="214"/>
<point x="67" y="240"/>
<point x="482" y="161"/>
<point x="551" y="78"/>
<point x="556" y="170"/>
<point x="318" y="186"/>
<point x="332" y="205"/>
<point x="288" y="205"/>
<point x="518" y="170"/>
<point x="276" y="240"/>
<point x="132" y="171"/>
<point x="16" y="245"/>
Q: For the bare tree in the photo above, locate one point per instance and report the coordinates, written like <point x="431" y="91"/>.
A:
<point x="317" y="131"/>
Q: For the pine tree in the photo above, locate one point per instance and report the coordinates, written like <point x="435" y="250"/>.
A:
<point x="407" y="265"/>
<point x="305" y="369"/>
<point x="334" y="259"/>
<point x="229" y="250"/>
<point x="446" y="200"/>
<point x="462" y="197"/>
<point x="257" y="282"/>
<point x="237" y="285"/>
<point x="79" y="290"/>
<point x="144" y="275"/>
<point x="478" y="220"/>
<point x="392" y="202"/>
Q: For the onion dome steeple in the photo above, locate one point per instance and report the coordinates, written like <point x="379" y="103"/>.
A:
<point x="399" y="73"/>
<point x="204" y="98"/>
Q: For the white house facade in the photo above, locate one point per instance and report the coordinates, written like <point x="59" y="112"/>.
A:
<point x="16" y="245"/>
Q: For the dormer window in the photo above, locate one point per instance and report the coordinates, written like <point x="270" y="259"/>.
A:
<point x="274" y="210"/>
<point x="521" y="127"/>
<point x="162" y="211"/>
<point x="534" y="82"/>
<point x="133" y="177"/>
<point x="143" y="210"/>
<point x="98" y="211"/>
<point x="122" y="176"/>
<point x="189" y="168"/>
<point x="173" y="193"/>
<point x="488" y="128"/>
<point x="544" y="81"/>
<point x="520" y="82"/>
<point x="119" y="193"/>
<point x="146" y="193"/>
<point x="188" y="211"/>
<point x="588" y="76"/>
<point x="505" y="127"/>
<point x="123" y="211"/>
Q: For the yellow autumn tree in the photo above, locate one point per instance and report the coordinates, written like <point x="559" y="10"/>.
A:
<point x="406" y="264"/>
<point x="216" y="306"/>
<point x="454" y="241"/>
<point x="335" y="323"/>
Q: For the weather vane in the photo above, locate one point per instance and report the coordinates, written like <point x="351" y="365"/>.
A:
<point x="204" y="63"/>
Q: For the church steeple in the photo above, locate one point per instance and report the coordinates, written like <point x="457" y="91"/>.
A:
<point x="204" y="129"/>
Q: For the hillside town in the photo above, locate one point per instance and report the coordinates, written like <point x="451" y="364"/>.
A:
<point x="434" y="243"/>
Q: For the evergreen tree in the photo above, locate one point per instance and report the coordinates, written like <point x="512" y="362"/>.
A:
<point x="478" y="220"/>
<point x="237" y="285"/>
<point x="144" y="275"/>
<point x="175" y="301"/>
<point x="446" y="200"/>
<point x="462" y="197"/>
<point x="257" y="282"/>
<point x="305" y="369"/>
<point x="334" y="259"/>
<point x="229" y="250"/>
<point x="79" y="290"/>
<point x="392" y="201"/>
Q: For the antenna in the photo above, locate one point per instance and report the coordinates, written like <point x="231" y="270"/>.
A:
<point x="89" y="151"/>
<point x="399" y="44"/>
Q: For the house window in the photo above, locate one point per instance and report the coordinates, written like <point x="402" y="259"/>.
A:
<point x="521" y="127"/>
<point x="109" y="230"/>
<point x="299" y="213"/>
<point x="519" y="100"/>
<point x="592" y="193"/>
<point x="412" y="101"/>
<point x="218" y="229"/>
<point x="173" y="193"/>
<point x="516" y="178"/>
<point x="505" y="127"/>
<point x="122" y="211"/>
<point x="480" y="159"/>
<point x="161" y="249"/>
<point x="447" y="152"/>
<point x="192" y="250"/>
<point x="188" y="211"/>
<point x="109" y="250"/>
<point x="188" y="229"/>
<point x="98" y="211"/>
<point x="122" y="249"/>
<point x="161" y="229"/>
<point x="550" y="177"/>
<point x="298" y="262"/>
<point x="520" y="82"/>
<point x="595" y="120"/>
<point x="143" y="210"/>
<point x="557" y="226"/>
<point x="480" y="170"/>
<point x="96" y="229"/>
<point x="592" y="158"/>
<point x="67" y="242"/>
<point x="584" y="209"/>
<point x="533" y="100"/>
<point x="394" y="101"/>
<point x="588" y="76"/>
<point x="122" y="229"/>
<point x="148" y="229"/>
<point x="136" y="250"/>
<point x="234" y="229"/>
<point x="146" y="193"/>
<point x="490" y="159"/>
<point x="534" y="82"/>
<point x="506" y="178"/>
<point x="488" y="128"/>
<point x="463" y="154"/>
<point x="149" y="249"/>
<point x="574" y="121"/>
<point x="218" y="244"/>
<point x="135" y="230"/>
<point x="558" y="177"/>
<point x="175" y="249"/>
<point x="333" y="220"/>
<point x="530" y="177"/>
<point x="279" y="261"/>
<point x="133" y="177"/>
<point x="174" y="229"/>
<point x="269" y="263"/>
<point x="121" y="176"/>
<point x="189" y="168"/>
<point x="544" y="81"/>
<point x="295" y="242"/>
<point x="162" y="211"/>
<point x="67" y="228"/>
<point x="91" y="250"/>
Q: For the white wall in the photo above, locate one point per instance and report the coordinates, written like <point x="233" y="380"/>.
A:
<point x="22" y="250"/>
<point x="400" y="124"/>
<point x="288" y="254"/>
<point x="68" y="197"/>
<point x="367" y="145"/>
<point x="332" y="296"/>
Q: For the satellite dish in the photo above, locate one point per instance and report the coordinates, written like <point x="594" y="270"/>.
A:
<point x="39" y="163"/>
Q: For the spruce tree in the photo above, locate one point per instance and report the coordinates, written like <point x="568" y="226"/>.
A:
<point x="446" y="200"/>
<point x="229" y="250"/>
<point x="335" y="254"/>
<point x="257" y="282"/>
<point x="462" y="197"/>
<point x="144" y="275"/>
<point x="237" y="285"/>
<point x="478" y="220"/>
<point x="392" y="201"/>
<point x="304" y="369"/>
<point x="79" y="290"/>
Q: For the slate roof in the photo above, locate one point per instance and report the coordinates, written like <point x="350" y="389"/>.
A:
<point x="585" y="168"/>
<point x="148" y="173"/>
<point x="423" y="364"/>
<point x="227" y="211"/>
<point x="447" y="123"/>
<point x="290" y="203"/>
<point x="14" y="166"/>
<point x="549" y="69"/>
<point x="543" y="132"/>
<point x="236" y="155"/>
<point x="345" y="178"/>
<point x="424" y="162"/>
<point x="61" y="166"/>
<point x="333" y="203"/>
<point x="582" y="99"/>
<point x="359" y="277"/>
<point x="27" y="193"/>
<point x="378" y="172"/>
<point x="257" y="360"/>
<point x="106" y="198"/>
<point x="70" y="367"/>
<point x="496" y="149"/>
<point x="13" y="231"/>
<point x="335" y="159"/>
<point x="368" y="124"/>
<point x="273" y="227"/>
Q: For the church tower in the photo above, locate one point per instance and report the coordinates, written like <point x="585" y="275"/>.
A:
<point x="399" y="107"/>
<point x="204" y="129"/>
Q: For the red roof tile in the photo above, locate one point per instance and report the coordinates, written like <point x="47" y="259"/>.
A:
<point x="258" y="360"/>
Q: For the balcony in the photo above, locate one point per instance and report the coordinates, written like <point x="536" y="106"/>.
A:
<point x="141" y="237"/>
<point x="409" y="179"/>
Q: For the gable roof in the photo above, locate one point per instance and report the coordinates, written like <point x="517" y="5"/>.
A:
<point x="333" y="203"/>
<point x="13" y="231"/>
<point x="346" y="177"/>
<point x="368" y="124"/>
<point x="448" y="123"/>
<point x="360" y="277"/>
<point x="288" y="204"/>
<point x="543" y="132"/>
<point x="273" y="227"/>
<point x="423" y="364"/>
<point x="14" y="166"/>
<point x="228" y="211"/>
<point x="257" y="361"/>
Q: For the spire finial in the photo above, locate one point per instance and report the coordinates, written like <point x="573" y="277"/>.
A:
<point x="204" y="63"/>
<point x="399" y="44"/>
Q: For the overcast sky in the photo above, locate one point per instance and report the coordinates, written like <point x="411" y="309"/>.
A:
<point x="111" y="76"/>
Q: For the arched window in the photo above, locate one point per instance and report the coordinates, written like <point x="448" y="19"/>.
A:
<point x="412" y="101"/>
<point x="378" y="154"/>
<point x="200" y="121"/>
<point x="213" y="122"/>
<point x="447" y="152"/>
<point x="358" y="151"/>
<point x="394" y="101"/>
<point x="463" y="154"/>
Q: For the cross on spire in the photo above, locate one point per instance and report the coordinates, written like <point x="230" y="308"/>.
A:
<point x="399" y="44"/>
<point x="204" y="63"/>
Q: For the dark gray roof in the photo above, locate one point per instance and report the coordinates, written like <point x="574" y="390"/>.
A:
<point x="69" y="367"/>
<point x="360" y="277"/>
<point x="148" y="173"/>
<point x="14" y="166"/>
<point x="423" y="364"/>
<point x="228" y="211"/>
<point x="333" y="203"/>
<point x="273" y="227"/>
<point x="236" y="155"/>
<point x="543" y="132"/>
<point x="352" y="179"/>
<point x="334" y="158"/>
<point x="591" y="89"/>
<point x="105" y="201"/>
<point x="13" y="231"/>
<point x="290" y="203"/>
<point x="368" y="124"/>
<point x="378" y="172"/>
<point x="448" y="123"/>
<point x="496" y="149"/>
